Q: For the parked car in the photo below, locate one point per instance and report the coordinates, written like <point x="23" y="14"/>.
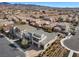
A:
<point x="1" y="36"/>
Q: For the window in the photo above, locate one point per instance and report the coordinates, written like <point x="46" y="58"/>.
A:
<point x="35" y="39"/>
<point x="37" y="35"/>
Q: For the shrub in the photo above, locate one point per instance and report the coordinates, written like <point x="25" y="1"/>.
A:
<point x="41" y="16"/>
<point x="47" y="29"/>
<point x="75" y="23"/>
<point x="23" y="23"/>
<point x="60" y="19"/>
<point x="24" y="43"/>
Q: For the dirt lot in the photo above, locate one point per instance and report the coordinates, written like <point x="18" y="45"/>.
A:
<point x="32" y="51"/>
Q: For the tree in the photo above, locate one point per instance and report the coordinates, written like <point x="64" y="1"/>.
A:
<point x="75" y="23"/>
<point x="24" y="43"/>
<point x="43" y="12"/>
<point x="48" y="29"/>
<point x="60" y="19"/>
<point x="72" y="30"/>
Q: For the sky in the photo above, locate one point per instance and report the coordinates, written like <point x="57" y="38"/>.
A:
<point x="51" y="4"/>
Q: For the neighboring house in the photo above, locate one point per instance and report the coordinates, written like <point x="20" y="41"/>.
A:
<point x="15" y="33"/>
<point x="57" y="29"/>
<point x="12" y="31"/>
<point x="27" y="35"/>
<point x="40" y="38"/>
<point x="7" y="25"/>
<point x="37" y="39"/>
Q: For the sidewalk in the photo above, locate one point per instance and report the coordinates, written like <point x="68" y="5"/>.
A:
<point x="70" y="54"/>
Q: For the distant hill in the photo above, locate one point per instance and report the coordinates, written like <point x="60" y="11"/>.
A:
<point x="31" y="7"/>
<point x="23" y="6"/>
<point x="4" y="3"/>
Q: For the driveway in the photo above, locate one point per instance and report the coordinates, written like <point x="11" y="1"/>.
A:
<point x="7" y="51"/>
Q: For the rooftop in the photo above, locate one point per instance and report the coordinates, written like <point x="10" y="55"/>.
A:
<point x="50" y="36"/>
<point x="31" y="29"/>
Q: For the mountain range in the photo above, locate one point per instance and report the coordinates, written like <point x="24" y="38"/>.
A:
<point x="30" y="6"/>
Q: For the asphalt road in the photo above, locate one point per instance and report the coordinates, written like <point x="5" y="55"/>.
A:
<point x="73" y="42"/>
<point x="7" y="51"/>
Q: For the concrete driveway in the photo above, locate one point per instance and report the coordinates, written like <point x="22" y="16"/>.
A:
<point x="7" y="51"/>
